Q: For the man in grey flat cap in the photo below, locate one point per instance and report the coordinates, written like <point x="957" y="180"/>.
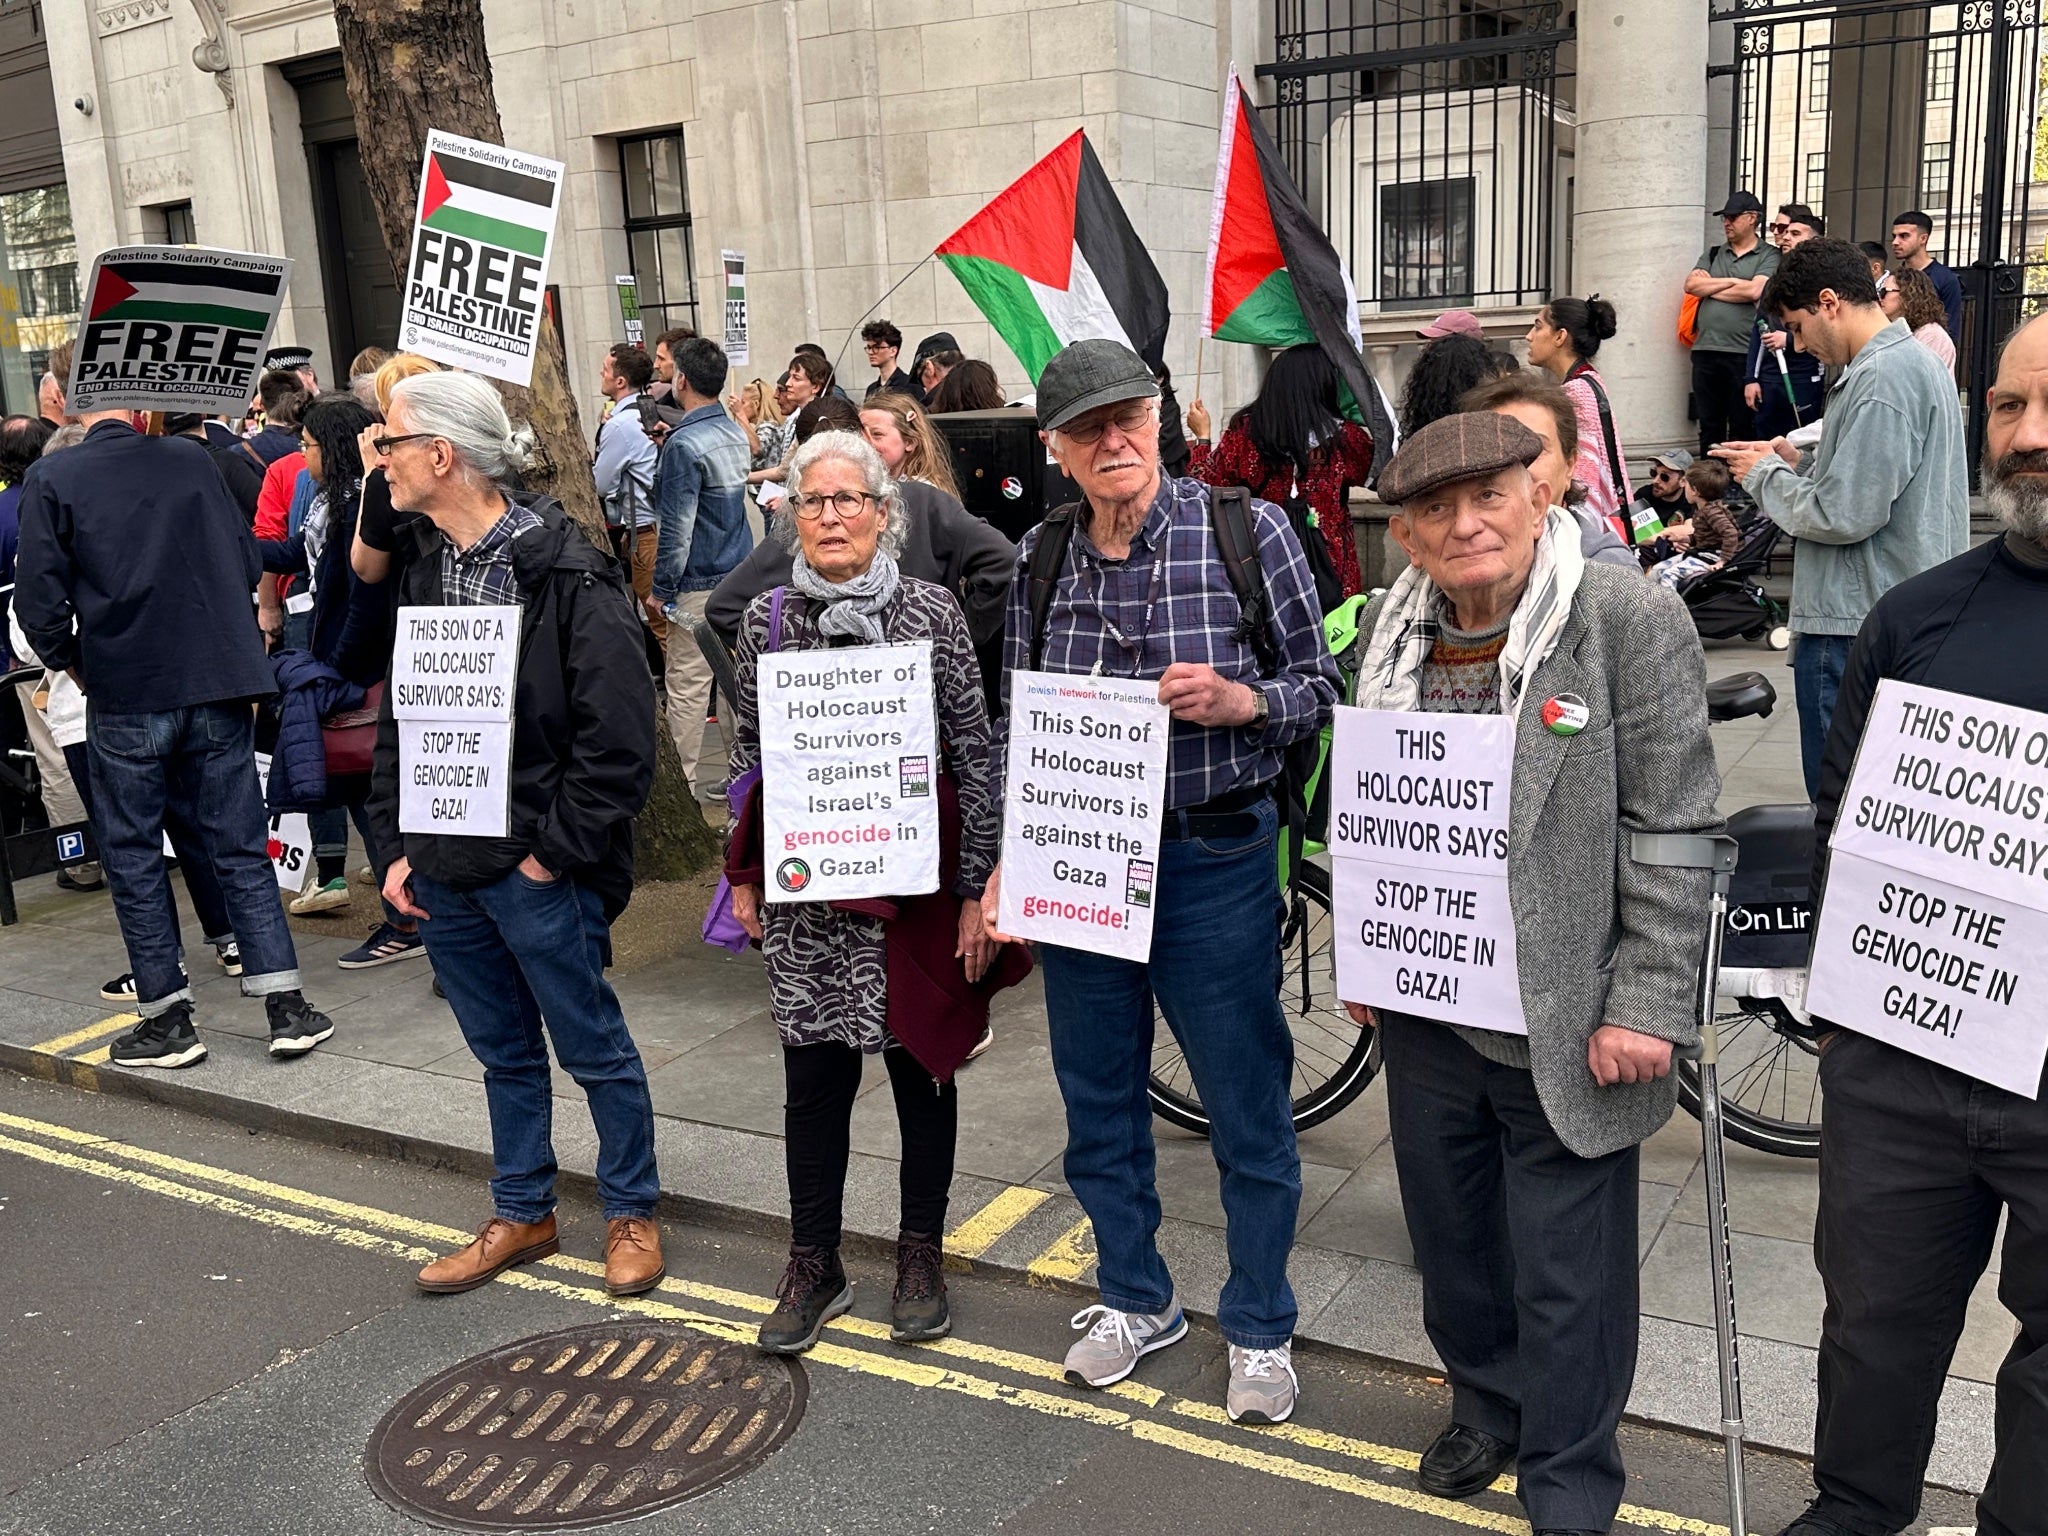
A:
<point x="1516" y="1119"/>
<point x="1132" y="584"/>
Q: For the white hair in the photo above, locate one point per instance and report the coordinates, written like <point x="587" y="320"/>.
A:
<point x="848" y="448"/>
<point x="465" y="410"/>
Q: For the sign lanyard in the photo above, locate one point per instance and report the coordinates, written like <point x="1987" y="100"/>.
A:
<point x="1136" y="648"/>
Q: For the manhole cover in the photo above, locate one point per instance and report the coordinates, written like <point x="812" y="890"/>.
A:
<point x="582" y="1428"/>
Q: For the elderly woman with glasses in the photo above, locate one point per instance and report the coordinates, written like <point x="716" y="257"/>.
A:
<point x="841" y="979"/>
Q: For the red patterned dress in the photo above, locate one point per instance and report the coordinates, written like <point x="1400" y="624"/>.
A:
<point x="1337" y="468"/>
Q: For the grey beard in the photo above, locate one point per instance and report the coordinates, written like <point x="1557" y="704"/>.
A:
<point x="2020" y="503"/>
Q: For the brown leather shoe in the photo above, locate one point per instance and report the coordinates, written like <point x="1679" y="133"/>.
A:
<point x="632" y="1255"/>
<point x="499" y="1245"/>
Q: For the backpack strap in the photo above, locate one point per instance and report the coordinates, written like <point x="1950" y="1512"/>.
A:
<point x="775" y="617"/>
<point x="1042" y="575"/>
<point x="1230" y="514"/>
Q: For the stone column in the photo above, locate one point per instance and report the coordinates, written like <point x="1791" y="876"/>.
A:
<point x="1642" y="109"/>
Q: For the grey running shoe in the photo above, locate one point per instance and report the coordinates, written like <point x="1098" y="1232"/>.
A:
<point x="1118" y="1340"/>
<point x="1262" y="1385"/>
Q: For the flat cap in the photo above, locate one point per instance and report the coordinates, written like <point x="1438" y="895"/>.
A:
<point x="1085" y="374"/>
<point x="1461" y="447"/>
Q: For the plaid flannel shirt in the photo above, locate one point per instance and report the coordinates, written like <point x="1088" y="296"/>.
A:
<point x="1170" y="600"/>
<point x="481" y="575"/>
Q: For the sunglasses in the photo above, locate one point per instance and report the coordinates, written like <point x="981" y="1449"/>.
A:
<point x="1780" y="227"/>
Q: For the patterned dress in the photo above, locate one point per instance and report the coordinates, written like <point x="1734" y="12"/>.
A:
<point x="827" y="969"/>
<point x="1327" y="489"/>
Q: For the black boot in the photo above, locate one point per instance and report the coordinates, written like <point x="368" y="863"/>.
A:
<point x="918" y="1309"/>
<point x="814" y="1290"/>
<point x="296" y="1026"/>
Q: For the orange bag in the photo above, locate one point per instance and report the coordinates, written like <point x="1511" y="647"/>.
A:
<point x="1688" y="319"/>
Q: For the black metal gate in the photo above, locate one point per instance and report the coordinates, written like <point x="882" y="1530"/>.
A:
<point x="1864" y="111"/>
<point x="1429" y="145"/>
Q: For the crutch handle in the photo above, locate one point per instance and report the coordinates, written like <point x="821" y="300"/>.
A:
<point x="1715" y="851"/>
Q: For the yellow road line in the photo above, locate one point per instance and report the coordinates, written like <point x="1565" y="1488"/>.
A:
<point x="96" y="1058"/>
<point x="1071" y="1255"/>
<point x="989" y="1225"/>
<point x="91" y="1032"/>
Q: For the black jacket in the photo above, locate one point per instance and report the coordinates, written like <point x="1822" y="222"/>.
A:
<point x="136" y="567"/>
<point x="583" y="718"/>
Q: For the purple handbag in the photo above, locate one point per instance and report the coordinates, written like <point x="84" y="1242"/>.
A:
<point x="720" y="926"/>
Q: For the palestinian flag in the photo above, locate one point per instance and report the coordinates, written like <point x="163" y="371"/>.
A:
<point x="1274" y="279"/>
<point x="181" y="290"/>
<point x="1054" y="259"/>
<point x="487" y="203"/>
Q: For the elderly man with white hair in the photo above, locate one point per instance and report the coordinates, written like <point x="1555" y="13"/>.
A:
<point x="517" y="926"/>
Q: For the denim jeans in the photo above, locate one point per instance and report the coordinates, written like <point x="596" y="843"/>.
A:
<point x="518" y="956"/>
<point x="208" y="904"/>
<point x="1818" y="662"/>
<point x="329" y="829"/>
<point x="1215" y="968"/>
<point x="196" y="768"/>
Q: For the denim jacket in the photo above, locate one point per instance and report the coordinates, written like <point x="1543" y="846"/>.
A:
<point x="700" y="503"/>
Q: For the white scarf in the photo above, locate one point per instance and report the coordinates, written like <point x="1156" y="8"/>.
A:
<point x="1392" y="675"/>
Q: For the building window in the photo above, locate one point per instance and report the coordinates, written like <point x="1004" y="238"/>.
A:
<point x="1476" y="21"/>
<point x="38" y="288"/>
<point x="1426" y="243"/>
<point x="1941" y="70"/>
<point x="171" y="224"/>
<point x="658" y="230"/>
<point x="1816" y="179"/>
<point x="1934" y="166"/>
<point x="1817" y="70"/>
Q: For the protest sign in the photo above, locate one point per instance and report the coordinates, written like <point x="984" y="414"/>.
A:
<point x="1082" y="801"/>
<point x="1935" y="923"/>
<point x="1419" y="858"/>
<point x="735" y="264"/>
<point x="454" y="671"/>
<point x="480" y="242"/>
<point x="175" y="328"/>
<point x="289" y="842"/>
<point x="849" y="769"/>
<point x="629" y="309"/>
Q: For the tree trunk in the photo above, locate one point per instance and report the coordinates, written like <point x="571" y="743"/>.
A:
<point x="412" y="65"/>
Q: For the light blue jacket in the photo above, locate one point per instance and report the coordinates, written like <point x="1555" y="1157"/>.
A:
<point x="1887" y="493"/>
<point x="700" y="502"/>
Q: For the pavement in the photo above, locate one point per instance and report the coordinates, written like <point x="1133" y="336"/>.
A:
<point x="397" y="1082"/>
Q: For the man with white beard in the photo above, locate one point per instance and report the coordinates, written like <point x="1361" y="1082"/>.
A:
<point x="1918" y="1162"/>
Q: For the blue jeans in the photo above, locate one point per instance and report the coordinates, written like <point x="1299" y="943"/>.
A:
<point x="194" y="767"/>
<point x="1818" y="662"/>
<point x="208" y="905"/>
<point x="1215" y="969"/>
<point x="510" y="956"/>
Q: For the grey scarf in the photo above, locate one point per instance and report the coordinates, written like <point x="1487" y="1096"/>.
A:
<point x="851" y="608"/>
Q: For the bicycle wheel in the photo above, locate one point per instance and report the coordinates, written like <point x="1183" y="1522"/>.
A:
<point x="1334" y="1058"/>
<point x="1770" y="1080"/>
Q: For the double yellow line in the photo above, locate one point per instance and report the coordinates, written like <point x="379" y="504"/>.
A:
<point x="1144" y="1413"/>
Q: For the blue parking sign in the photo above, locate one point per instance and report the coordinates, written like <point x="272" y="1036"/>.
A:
<point x="70" y="847"/>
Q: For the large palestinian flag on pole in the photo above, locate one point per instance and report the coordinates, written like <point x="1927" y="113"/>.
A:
<point x="1054" y="259"/>
<point x="1273" y="278"/>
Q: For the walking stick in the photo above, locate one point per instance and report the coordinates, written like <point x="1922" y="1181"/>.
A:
<point x="1716" y="854"/>
<point x="1785" y="373"/>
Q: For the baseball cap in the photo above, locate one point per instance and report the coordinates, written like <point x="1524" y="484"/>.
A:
<point x="1739" y="203"/>
<point x="1096" y="371"/>
<point x="1677" y="460"/>
<point x="1452" y="322"/>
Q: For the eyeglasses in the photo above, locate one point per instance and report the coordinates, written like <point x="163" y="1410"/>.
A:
<point x="848" y="504"/>
<point x="384" y="445"/>
<point x="1128" y="420"/>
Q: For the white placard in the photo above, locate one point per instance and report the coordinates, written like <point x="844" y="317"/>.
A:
<point x="175" y="328"/>
<point x="734" y="265"/>
<point x="289" y="842"/>
<point x="849" y="773"/>
<point x="1419" y="851"/>
<point x="475" y="283"/>
<point x="1082" y="796"/>
<point x="454" y="670"/>
<point x="1935" y="920"/>
<point x="453" y="777"/>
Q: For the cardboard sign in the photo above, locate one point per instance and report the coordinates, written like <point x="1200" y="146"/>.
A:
<point x="849" y="769"/>
<point x="1935" y="924"/>
<point x="1082" y="803"/>
<point x="175" y="328"/>
<point x="454" y="671"/>
<point x="735" y="264"/>
<point x="474" y="286"/>
<point x="1419" y="854"/>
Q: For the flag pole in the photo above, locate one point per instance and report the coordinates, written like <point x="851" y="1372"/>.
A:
<point x="1199" y="341"/>
<point x="855" y="331"/>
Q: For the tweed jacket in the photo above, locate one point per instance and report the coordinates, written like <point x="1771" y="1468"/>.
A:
<point x="1601" y="939"/>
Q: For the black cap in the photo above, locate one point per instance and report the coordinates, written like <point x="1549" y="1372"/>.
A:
<point x="1097" y="371"/>
<point x="1739" y="202"/>
<point x="938" y="341"/>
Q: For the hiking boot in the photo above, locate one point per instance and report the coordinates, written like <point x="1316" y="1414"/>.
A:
<point x="632" y="1255"/>
<point x="168" y="1040"/>
<point x="1263" y="1385"/>
<point x="918" y="1309"/>
<point x="813" y="1291"/>
<point x="322" y="898"/>
<point x="229" y="957"/>
<point x="296" y="1026"/>
<point x="499" y="1245"/>
<point x="385" y="944"/>
<point x="1461" y="1461"/>
<point x="1118" y="1340"/>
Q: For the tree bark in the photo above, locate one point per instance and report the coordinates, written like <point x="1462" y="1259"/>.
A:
<point x="412" y="65"/>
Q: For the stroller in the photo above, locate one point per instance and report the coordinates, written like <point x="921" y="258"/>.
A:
<point x="1729" y="602"/>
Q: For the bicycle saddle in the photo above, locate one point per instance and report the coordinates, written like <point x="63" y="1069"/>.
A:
<point x="1739" y="696"/>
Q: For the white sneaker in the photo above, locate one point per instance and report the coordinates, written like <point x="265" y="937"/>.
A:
<point x="1263" y="1385"/>
<point x="1118" y="1340"/>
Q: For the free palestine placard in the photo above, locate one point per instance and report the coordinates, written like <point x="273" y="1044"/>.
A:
<point x="175" y="328"/>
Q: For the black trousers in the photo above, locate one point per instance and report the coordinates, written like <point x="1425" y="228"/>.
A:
<point x="1717" y="385"/>
<point x="1916" y="1163"/>
<point x="821" y="1083"/>
<point x="1528" y="1260"/>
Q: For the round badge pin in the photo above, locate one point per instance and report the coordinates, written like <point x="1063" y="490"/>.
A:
<point x="1565" y="715"/>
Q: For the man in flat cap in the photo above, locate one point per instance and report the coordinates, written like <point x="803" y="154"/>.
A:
<point x="1139" y="590"/>
<point x="1516" y="1119"/>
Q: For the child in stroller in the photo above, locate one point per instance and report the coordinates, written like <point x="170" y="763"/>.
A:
<point x="1727" y="600"/>
<point x="1709" y="539"/>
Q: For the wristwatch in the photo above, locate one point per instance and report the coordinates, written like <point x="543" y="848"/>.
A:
<point x="1261" y="708"/>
